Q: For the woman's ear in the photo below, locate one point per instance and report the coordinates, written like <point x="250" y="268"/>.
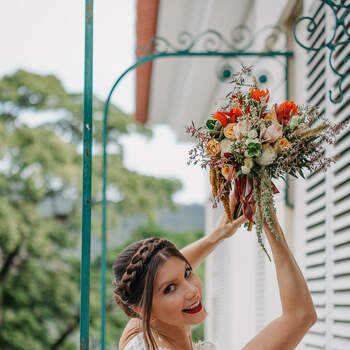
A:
<point x="136" y="309"/>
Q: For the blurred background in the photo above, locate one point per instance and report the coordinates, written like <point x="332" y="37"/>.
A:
<point x="151" y="189"/>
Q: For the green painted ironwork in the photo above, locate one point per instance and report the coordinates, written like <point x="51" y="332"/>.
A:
<point x="104" y="237"/>
<point x="331" y="44"/>
<point x="241" y="39"/>
<point x="87" y="163"/>
<point x="213" y="43"/>
<point x="287" y="200"/>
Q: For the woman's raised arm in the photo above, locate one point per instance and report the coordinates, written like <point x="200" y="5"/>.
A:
<point x="298" y="312"/>
<point x="197" y="251"/>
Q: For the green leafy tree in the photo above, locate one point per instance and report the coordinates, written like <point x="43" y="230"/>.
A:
<point x="40" y="163"/>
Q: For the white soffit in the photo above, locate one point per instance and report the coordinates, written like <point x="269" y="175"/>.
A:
<point x="187" y="89"/>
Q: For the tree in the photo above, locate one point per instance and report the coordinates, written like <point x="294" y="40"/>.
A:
<point x="40" y="161"/>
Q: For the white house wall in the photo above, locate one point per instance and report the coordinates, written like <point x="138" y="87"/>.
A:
<point x="185" y="89"/>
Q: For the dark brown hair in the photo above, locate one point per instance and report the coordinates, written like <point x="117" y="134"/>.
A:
<point x="135" y="270"/>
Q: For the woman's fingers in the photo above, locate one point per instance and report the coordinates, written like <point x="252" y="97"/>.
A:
<point x="241" y="220"/>
<point x="237" y="223"/>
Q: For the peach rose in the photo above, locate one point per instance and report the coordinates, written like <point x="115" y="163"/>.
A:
<point x="213" y="147"/>
<point x="229" y="131"/>
<point x="241" y="129"/>
<point x="281" y="144"/>
<point x="272" y="133"/>
<point x="226" y="169"/>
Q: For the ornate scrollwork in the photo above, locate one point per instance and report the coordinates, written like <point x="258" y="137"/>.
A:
<point x="242" y="38"/>
<point x="312" y="26"/>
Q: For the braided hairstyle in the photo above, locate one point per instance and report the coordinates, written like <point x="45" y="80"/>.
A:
<point x="135" y="270"/>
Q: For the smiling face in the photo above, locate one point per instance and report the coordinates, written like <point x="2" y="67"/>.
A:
<point x="177" y="295"/>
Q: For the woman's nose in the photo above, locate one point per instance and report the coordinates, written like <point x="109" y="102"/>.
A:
<point x="191" y="291"/>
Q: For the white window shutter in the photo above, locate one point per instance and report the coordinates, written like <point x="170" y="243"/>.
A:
<point x="327" y="198"/>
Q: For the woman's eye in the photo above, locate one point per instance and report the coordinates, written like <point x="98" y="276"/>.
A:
<point x="188" y="272"/>
<point x="169" y="289"/>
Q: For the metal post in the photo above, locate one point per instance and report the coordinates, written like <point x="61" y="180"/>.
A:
<point x="87" y="163"/>
<point x="104" y="237"/>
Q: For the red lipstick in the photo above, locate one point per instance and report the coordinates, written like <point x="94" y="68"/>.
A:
<point x="194" y="310"/>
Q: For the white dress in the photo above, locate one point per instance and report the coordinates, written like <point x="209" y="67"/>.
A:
<point x="137" y="343"/>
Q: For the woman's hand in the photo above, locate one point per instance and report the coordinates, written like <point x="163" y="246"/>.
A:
<point x="197" y="251"/>
<point x="224" y="228"/>
<point x="227" y="229"/>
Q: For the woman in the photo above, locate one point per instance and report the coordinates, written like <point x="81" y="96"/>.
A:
<point x="156" y="287"/>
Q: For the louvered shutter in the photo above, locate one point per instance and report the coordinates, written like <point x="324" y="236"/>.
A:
<point x="327" y="197"/>
<point x="339" y="336"/>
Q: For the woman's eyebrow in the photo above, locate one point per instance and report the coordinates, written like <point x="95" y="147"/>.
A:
<point x="171" y="281"/>
<point x="167" y="282"/>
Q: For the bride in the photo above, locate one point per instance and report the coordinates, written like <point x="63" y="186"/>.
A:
<point x="158" y="290"/>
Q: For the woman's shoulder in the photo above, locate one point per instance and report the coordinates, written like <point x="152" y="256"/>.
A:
<point x="136" y="342"/>
<point x="131" y="331"/>
<point x="132" y="337"/>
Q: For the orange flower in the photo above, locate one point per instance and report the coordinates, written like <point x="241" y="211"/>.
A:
<point x="257" y="93"/>
<point x="285" y="110"/>
<point x="234" y="113"/>
<point x="213" y="147"/>
<point x="221" y="117"/>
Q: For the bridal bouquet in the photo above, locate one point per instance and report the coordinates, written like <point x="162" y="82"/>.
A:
<point x="247" y="143"/>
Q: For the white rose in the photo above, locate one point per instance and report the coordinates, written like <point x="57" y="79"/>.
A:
<point x="225" y="146"/>
<point x="267" y="157"/>
<point x="248" y="162"/>
<point x="252" y="134"/>
<point x="245" y="169"/>
<point x="244" y="132"/>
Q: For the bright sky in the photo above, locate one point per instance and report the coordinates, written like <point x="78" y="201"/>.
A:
<point x="47" y="37"/>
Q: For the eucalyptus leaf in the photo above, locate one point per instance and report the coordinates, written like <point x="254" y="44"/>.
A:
<point x="210" y="124"/>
